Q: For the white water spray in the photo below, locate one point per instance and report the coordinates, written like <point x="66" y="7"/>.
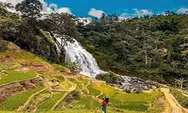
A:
<point x="74" y="52"/>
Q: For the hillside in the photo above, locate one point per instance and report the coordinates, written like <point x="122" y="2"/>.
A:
<point x="141" y="64"/>
<point x="29" y="83"/>
<point x="151" y="47"/>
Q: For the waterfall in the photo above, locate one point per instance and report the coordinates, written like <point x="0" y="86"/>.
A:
<point x="74" y="52"/>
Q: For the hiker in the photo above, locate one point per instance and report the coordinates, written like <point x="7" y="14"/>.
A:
<point x="104" y="104"/>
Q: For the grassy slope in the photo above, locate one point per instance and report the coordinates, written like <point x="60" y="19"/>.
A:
<point x="13" y="76"/>
<point x="181" y="98"/>
<point x="87" y="102"/>
<point x="14" y="102"/>
<point x="47" y="105"/>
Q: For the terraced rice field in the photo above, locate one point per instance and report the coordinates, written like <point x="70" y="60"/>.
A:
<point x="14" y="102"/>
<point x="61" y="94"/>
<point x="48" y="104"/>
<point x="10" y="76"/>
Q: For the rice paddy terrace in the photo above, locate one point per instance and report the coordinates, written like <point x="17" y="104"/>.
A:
<point x="31" y="84"/>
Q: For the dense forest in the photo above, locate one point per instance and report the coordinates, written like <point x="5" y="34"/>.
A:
<point x="153" y="47"/>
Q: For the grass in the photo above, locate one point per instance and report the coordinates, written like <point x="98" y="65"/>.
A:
<point x="131" y="102"/>
<point x="14" y="102"/>
<point x="24" y="58"/>
<point x="13" y="76"/>
<point x="85" y="102"/>
<point x="120" y="102"/>
<point x="79" y="84"/>
<point x="182" y="99"/>
<point x="48" y="104"/>
<point x="61" y="78"/>
<point x="9" y="65"/>
<point x="60" y="68"/>
<point x="66" y="85"/>
<point x="93" y="91"/>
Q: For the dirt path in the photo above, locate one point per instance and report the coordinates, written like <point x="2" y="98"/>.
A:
<point x="175" y="106"/>
<point x="71" y="89"/>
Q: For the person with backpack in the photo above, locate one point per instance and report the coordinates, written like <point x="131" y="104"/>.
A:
<point x="104" y="104"/>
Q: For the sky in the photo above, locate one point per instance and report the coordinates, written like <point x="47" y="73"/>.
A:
<point x="122" y="8"/>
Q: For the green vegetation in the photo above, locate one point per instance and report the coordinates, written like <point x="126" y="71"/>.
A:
<point x="85" y="102"/>
<point x="145" y="47"/>
<point x="182" y="99"/>
<point x="48" y="104"/>
<point x="14" y="102"/>
<point x="13" y="76"/>
<point x="59" y="68"/>
<point x="78" y="83"/>
<point x="148" y="46"/>
<point x="109" y="77"/>
<point x="93" y="91"/>
<point x="47" y="37"/>
<point x="3" y="45"/>
<point x="132" y="102"/>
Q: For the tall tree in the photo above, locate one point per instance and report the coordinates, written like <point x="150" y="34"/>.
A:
<point x="30" y="8"/>
<point x="62" y="24"/>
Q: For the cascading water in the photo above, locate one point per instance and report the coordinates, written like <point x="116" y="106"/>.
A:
<point x="74" y="52"/>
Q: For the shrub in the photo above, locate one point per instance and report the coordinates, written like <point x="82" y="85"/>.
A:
<point x="3" y="45"/>
<point x="73" y="66"/>
<point x="109" y="77"/>
<point x="127" y="90"/>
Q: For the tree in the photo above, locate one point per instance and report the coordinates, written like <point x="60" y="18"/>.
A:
<point x="103" y="17"/>
<point x="30" y="9"/>
<point x="61" y="24"/>
<point x="113" y="18"/>
<point x="180" y="82"/>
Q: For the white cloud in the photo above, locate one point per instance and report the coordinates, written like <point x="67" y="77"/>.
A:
<point x="125" y="16"/>
<point x="182" y="11"/>
<point x="142" y="12"/>
<point x="85" y="20"/>
<point x="53" y="8"/>
<point x="63" y="10"/>
<point x="13" y="2"/>
<point x="47" y="8"/>
<point x="136" y="13"/>
<point x="96" y="13"/>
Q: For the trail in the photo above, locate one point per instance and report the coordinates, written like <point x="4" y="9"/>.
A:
<point x="71" y="89"/>
<point x="34" y="100"/>
<point x="175" y="106"/>
<point x="84" y="87"/>
<point x="97" y="97"/>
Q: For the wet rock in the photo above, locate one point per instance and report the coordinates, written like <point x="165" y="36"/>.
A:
<point x="134" y="84"/>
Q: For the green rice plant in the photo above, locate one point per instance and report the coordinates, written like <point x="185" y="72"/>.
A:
<point x="60" y="68"/>
<point x="48" y="104"/>
<point x="131" y="102"/>
<point x="15" y="101"/>
<point x="86" y="102"/>
<point x="93" y="91"/>
<point x="61" y="78"/>
<point x="13" y="76"/>
<point x="79" y="84"/>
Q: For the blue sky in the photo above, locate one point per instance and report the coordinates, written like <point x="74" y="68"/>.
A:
<point x="123" y="8"/>
<point x="129" y="7"/>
